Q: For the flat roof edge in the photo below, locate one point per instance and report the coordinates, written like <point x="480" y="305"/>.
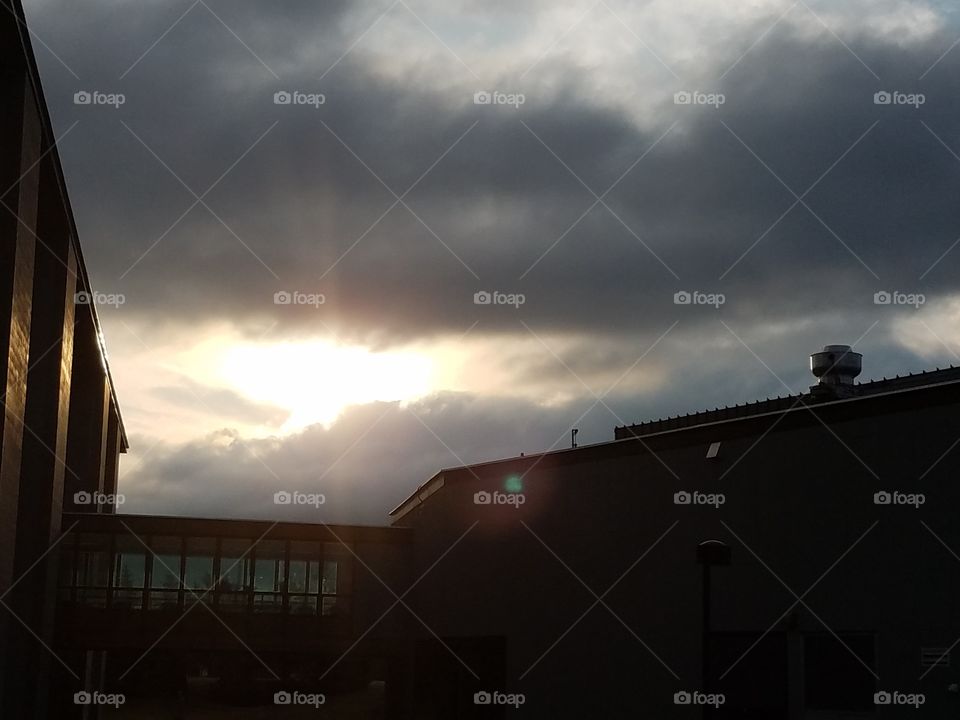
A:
<point x="797" y="407"/>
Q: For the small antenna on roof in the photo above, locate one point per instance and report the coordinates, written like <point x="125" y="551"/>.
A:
<point x="573" y="437"/>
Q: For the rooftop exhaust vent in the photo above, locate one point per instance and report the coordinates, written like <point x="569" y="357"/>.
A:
<point x="836" y="367"/>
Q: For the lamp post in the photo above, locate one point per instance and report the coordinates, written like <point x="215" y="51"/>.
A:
<point x="709" y="553"/>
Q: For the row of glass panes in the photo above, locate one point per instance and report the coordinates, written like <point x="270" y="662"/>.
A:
<point x="314" y="576"/>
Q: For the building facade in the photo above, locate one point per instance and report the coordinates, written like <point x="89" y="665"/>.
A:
<point x="61" y="425"/>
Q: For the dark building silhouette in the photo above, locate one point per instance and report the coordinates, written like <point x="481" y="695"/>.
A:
<point x="788" y="558"/>
<point x="62" y="429"/>
<point x="796" y="555"/>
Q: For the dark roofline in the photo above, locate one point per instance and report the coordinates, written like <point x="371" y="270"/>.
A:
<point x="760" y="407"/>
<point x="33" y="73"/>
<point x="878" y="390"/>
<point x="233" y="527"/>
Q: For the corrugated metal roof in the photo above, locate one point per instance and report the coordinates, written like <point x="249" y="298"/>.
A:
<point x="899" y="382"/>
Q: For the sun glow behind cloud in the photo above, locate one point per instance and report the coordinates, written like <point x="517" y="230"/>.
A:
<point x="316" y="380"/>
<point x="217" y="378"/>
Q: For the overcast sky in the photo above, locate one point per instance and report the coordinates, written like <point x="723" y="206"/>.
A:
<point x="630" y="151"/>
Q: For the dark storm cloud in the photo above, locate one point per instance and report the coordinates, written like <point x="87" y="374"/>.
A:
<point x="499" y="199"/>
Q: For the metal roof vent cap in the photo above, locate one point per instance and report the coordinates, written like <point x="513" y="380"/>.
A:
<point x="836" y="367"/>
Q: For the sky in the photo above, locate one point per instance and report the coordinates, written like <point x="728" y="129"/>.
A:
<point x="339" y="246"/>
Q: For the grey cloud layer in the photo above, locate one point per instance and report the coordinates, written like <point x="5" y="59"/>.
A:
<point x="226" y="474"/>
<point x="376" y="455"/>
<point x="299" y="200"/>
<point x="221" y="402"/>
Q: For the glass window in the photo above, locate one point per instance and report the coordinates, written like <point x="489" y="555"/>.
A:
<point x="165" y="573"/>
<point x="330" y="568"/>
<point x="299" y="572"/>
<point x="336" y="580"/>
<point x="93" y="564"/>
<point x="235" y="565"/>
<point x="234" y="574"/>
<point x="303" y="583"/>
<point x="268" y="576"/>
<point x="130" y="564"/>
<point x="335" y="606"/>
<point x="303" y="604"/>
<point x="166" y="563"/>
<point x="304" y="567"/>
<point x="337" y="569"/>
<point x="267" y="602"/>
<point x="198" y="568"/>
<point x="164" y="599"/>
<point x="268" y="567"/>
<point x="129" y="572"/>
